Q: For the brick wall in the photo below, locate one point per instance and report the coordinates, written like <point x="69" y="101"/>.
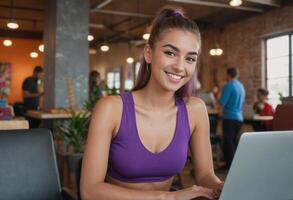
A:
<point x="242" y="43"/>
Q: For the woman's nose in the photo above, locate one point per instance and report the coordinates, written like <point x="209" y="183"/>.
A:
<point x="179" y="65"/>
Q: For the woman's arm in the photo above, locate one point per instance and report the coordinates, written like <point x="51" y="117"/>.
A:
<point x="200" y="145"/>
<point x="106" y="121"/>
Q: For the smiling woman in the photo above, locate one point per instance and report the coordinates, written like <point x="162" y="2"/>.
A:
<point x="139" y="140"/>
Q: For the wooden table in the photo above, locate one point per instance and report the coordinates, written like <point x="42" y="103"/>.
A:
<point x="49" y="118"/>
<point x="13" y="124"/>
<point x="49" y="115"/>
<point x="262" y="118"/>
<point x="212" y="111"/>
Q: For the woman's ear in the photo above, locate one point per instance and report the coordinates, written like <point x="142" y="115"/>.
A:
<point x="147" y="53"/>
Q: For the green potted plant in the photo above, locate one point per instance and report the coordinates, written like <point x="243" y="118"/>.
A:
<point x="74" y="133"/>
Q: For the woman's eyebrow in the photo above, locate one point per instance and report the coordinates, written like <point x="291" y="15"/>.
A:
<point x="176" y="49"/>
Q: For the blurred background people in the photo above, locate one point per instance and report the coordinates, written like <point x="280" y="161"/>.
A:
<point x="208" y="98"/>
<point x="95" y="89"/>
<point x="263" y="108"/>
<point x="232" y="100"/>
<point x="31" y="94"/>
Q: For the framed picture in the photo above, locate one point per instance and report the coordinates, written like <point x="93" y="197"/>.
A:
<point x="5" y="79"/>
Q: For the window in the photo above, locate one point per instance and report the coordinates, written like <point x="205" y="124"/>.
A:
<point x="279" y="68"/>
<point x="128" y="77"/>
<point x="113" y="79"/>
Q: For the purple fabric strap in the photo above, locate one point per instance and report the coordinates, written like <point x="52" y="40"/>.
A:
<point x="130" y="161"/>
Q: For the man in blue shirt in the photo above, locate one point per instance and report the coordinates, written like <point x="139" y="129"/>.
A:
<point x="232" y="100"/>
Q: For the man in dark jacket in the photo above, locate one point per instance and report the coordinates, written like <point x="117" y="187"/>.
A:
<point x="31" y="94"/>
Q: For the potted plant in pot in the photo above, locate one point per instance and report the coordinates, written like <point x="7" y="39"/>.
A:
<point x="74" y="133"/>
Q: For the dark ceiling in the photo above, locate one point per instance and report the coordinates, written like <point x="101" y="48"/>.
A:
<point x="126" y="20"/>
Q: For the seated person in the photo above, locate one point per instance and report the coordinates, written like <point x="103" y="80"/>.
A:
<point x="263" y="108"/>
<point x="138" y="141"/>
<point x="208" y="98"/>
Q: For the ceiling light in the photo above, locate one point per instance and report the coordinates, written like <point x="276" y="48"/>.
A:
<point x="92" y="51"/>
<point x="219" y="51"/>
<point x="130" y="60"/>
<point x="146" y="36"/>
<point x="90" y="37"/>
<point x="104" y="48"/>
<point x="216" y="52"/>
<point x="235" y="3"/>
<point x="41" y="48"/>
<point x="12" y="24"/>
<point x="7" y="43"/>
<point x="213" y="52"/>
<point x="34" y="54"/>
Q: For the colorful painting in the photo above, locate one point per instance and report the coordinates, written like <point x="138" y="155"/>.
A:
<point x="5" y="79"/>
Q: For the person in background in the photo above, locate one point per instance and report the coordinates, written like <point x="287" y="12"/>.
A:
<point x="31" y="94"/>
<point x="215" y="91"/>
<point x="95" y="90"/>
<point x="263" y="108"/>
<point x="138" y="141"/>
<point x="232" y="100"/>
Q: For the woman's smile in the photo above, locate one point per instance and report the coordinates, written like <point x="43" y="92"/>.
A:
<point x="173" y="77"/>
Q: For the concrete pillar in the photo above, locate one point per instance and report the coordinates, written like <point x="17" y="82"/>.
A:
<point x="66" y="51"/>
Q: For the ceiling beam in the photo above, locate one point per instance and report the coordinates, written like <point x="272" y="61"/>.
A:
<point x="215" y="4"/>
<point x="114" y="38"/>
<point x="128" y="19"/>
<point x="21" y="34"/>
<point x="21" y="19"/>
<point x="22" y="8"/>
<point x="274" y="3"/>
<point x="101" y="5"/>
<point x="122" y="13"/>
<point x="99" y="26"/>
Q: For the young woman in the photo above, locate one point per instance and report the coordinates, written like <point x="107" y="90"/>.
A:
<point x="264" y="108"/>
<point x="95" y="90"/>
<point x="139" y="140"/>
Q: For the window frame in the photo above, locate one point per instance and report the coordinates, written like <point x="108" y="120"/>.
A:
<point x="290" y="56"/>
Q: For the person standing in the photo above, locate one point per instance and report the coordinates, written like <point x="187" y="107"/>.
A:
<point x="31" y="94"/>
<point x="232" y="100"/>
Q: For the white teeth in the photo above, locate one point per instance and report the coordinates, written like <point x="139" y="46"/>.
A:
<point x="176" y="77"/>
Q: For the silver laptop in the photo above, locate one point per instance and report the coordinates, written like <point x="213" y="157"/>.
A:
<point x="262" y="168"/>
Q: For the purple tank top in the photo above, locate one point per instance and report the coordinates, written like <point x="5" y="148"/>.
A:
<point x="130" y="161"/>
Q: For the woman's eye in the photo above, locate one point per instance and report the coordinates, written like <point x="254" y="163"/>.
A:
<point x="169" y="53"/>
<point x="191" y="59"/>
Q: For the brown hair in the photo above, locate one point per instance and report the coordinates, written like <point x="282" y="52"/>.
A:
<point x="93" y="80"/>
<point x="263" y="92"/>
<point x="167" y="18"/>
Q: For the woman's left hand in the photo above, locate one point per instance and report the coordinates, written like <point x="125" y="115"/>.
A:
<point x="217" y="190"/>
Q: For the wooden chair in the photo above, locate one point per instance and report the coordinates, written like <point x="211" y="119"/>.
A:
<point x="283" y="117"/>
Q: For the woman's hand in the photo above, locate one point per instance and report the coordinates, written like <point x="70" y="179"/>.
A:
<point x="192" y="192"/>
<point x="217" y="190"/>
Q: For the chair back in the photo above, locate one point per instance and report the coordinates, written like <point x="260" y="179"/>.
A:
<point x="283" y="117"/>
<point x="28" y="168"/>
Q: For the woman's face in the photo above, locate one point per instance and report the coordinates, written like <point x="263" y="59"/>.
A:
<point x="173" y="59"/>
<point x="261" y="98"/>
<point x="98" y="79"/>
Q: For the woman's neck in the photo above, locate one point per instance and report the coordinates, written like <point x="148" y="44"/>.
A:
<point x="155" y="99"/>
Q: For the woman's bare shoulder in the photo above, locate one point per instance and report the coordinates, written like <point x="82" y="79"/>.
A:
<point x="195" y="104"/>
<point x="109" y="106"/>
